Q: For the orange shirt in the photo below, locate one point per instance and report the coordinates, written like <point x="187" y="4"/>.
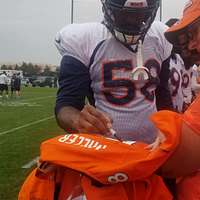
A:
<point x="110" y="169"/>
<point x="192" y="115"/>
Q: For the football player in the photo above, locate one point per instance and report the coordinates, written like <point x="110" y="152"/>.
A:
<point x="115" y="64"/>
<point x="176" y="81"/>
<point x="185" y="37"/>
<point x="3" y="84"/>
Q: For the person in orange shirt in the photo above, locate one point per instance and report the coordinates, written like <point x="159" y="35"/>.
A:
<point x="110" y="169"/>
<point x="185" y="34"/>
<point x="185" y="37"/>
<point x="118" y="170"/>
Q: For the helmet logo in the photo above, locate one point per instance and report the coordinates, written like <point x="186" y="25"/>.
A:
<point x="136" y="3"/>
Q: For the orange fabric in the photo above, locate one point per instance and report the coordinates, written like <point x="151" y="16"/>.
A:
<point x="37" y="187"/>
<point x="125" y="171"/>
<point x="105" y="153"/>
<point x="189" y="187"/>
<point x="41" y="186"/>
<point x="190" y="14"/>
<point x="192" y="115"/>
<point x="157" y="189"/>
<point x="104" y="192"/>
<point x="70" y="185"/>
<point x="169" y="123"/>
<point x="151" y="188"/>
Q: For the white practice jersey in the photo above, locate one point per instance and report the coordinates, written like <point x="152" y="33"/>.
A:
<point x="180" y="84"/>
<point x="110" y="64"/>
<point x="3" y="79"/>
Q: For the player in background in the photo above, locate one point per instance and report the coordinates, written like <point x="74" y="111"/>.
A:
<point x="3" y="84"/>
<point x="17" y="85"/>
<point x="12" y="80"/>
<point x="116" y="65"/>
<point x="175" y="90"/>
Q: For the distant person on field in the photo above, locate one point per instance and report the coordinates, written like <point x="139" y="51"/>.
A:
<point x="55" y="82"/>
<point x="3" y="84"/>
<point x="12" y="88"/>
<point x="17" y="85"/>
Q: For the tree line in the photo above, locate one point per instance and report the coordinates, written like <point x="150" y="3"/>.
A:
<point x="30" y="69"/>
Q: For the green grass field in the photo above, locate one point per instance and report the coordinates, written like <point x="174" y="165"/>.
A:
<point x="24" y="124"/>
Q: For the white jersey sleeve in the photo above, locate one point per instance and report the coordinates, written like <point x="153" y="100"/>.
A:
<point x="157" y="32"/>
<point x="80" y="40"/>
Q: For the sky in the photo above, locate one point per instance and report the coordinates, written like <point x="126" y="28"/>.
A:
<point x="28" y="27"/>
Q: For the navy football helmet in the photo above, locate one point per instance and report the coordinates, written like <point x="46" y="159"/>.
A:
<point x="129" y="20"/>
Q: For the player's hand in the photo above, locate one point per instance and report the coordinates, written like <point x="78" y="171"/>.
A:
<point x="159" y="139"/>
<point x="91" y="120"/>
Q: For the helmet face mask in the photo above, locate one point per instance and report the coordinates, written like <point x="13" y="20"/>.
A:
<point x="125" y="21"/>
<point x="128" y="19"/>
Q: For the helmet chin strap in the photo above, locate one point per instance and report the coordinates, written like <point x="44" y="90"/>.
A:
<point x="140" y="74"/>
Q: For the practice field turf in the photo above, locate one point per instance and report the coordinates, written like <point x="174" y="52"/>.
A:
<point x="24" y="124"/>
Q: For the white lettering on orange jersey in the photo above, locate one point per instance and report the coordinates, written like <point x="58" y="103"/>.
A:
<point x="81" y="141"/>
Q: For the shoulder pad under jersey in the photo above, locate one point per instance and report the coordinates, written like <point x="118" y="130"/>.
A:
<point x="80" y="40"/>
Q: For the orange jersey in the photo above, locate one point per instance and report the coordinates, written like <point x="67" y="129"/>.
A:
<point x="110" y="169"/>
<point x="192" y="115"/>
<point x="185" y="159"/>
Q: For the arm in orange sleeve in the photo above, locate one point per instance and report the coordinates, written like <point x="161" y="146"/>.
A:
<point x="186" y="158"/>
